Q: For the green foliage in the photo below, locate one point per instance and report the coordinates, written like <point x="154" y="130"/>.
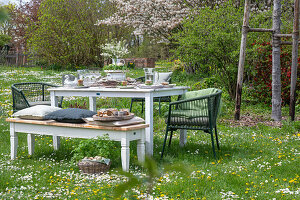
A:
<point x="148" y="48"/>
<point x="4" y="39"/>
<point x="209" y="42"/>
<point x="100" y="146"/>
<point x="3" y="14"/>
<point x="153" y="172"/>
<point x="164" y="66"/>
<point x="115" y="67"/>
<point x="55" y="66"/>
<point x="178" y="65"/>
<point x="66" y="33"/>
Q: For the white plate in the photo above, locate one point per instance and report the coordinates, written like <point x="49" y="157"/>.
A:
<point x="79" y="87"/>
<point x="126" y="87"/>
<point x="143" y="86"/>
<point x="169" y="86"/>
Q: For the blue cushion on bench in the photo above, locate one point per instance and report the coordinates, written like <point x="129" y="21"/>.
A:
<point x="70" y="115"/>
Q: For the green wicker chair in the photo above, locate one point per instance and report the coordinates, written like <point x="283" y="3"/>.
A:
<point x="156" y="99"/>
<point x="30" y="94"/>
<point x="196" y="110"/>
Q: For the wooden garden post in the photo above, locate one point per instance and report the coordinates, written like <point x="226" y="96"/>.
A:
<point x="239" y="86"/>
<point x="17" y="56"/>
<point x="294" y="60"/>
<point x="276" y="71"/>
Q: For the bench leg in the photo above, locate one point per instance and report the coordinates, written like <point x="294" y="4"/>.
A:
<point x="56" y="142"/>
<point x="30" y="142"/>
<point x="13" y="141"/>
<point x="141" y="148"/>
<point x="125" y="154"/>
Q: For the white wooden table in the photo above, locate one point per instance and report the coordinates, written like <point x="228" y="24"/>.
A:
<point x="123" y="134"/>
<point x="148" y="94"/>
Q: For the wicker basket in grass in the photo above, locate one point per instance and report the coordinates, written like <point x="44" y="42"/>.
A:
<point x="92" y="167"/>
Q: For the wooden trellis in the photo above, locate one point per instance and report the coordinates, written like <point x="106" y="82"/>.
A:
<point x="276" y="71"/>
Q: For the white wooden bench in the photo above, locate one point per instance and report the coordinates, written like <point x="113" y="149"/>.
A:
<point x="124" y="134"/>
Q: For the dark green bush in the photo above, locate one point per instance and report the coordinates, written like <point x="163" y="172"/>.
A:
<point x="66" y="32"/>
<point x="209" y="43"/>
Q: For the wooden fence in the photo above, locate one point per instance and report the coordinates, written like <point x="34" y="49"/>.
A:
<point x="13" y="59"/>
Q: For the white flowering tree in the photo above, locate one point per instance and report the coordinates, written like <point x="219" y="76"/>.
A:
<point x="156" y="17"/>
<point x="160" y="17"/>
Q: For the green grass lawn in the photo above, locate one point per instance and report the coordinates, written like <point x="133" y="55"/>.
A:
<point x="255" y="162"/>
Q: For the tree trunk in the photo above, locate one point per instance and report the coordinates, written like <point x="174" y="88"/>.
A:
<point x="239" y="85"/>
<point x="294" y="61"/>
<point x="276" y="71"/>
<point x="17" y="57"/>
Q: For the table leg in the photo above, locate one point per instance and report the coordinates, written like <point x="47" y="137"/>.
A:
<point x="149" y="120"/>
<point x="56" y="142"/>
<point x="30" y="142"/>
<point x="92" y="103"/>
<point x="141" y="148"/>
<point x="183" y="134"/>
<point x="125" y="154"/>
<point x="182" y="138"/>
<point x="54" y="102"/>
<point x="13" y="141"/>
<point x="54" y="99"/>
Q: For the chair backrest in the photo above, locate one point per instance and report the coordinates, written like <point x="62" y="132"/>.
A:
<point x="212" y="94"/>
<point x="160" y="77"/>
<point x="198" y="108"/>
<point x="23" y="93"/>
<point x="198" y="93"/>
<point x="34" y="91"/>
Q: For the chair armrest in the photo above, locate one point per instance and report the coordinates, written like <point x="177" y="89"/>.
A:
<point x="169" y="79"/>
<point x="193" y="99"/>
<point x="18" y="98"/>
<point x="45" y="88"/>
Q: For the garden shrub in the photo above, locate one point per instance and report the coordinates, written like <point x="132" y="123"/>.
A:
<point x="66" y="32"/>
<point x="262" y="80"/>
<point x="4" y="39"/>
<point x="209" y="43"/>
<point x="148" y="47"/>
